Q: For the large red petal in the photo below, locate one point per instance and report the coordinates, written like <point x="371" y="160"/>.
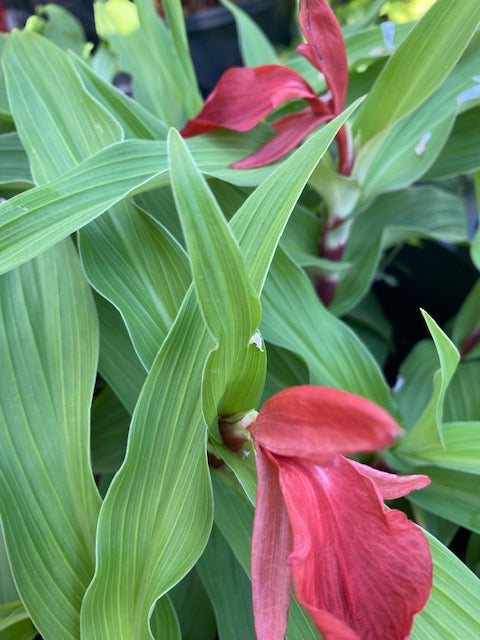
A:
<point x="291" y="130"/>
<point x="325" y="48"/>
<point x="360" y="571"/>
<point x="316" y="423"/>
<point x="244" y="96"/>
<point x="271" y="546"/>
<point x="390" y="485"/>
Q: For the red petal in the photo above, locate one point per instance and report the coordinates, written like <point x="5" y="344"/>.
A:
<point x="390" y="485"/>
<point x="317" y="423"/>
<point x="291" y="130"/>
<point x="360" y="571"/>
<point x="271" y="545"/>
<point x="325" y="49"/>
<point x="244" y="96"/>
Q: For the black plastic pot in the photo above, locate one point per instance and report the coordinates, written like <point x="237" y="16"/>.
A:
<point x="213" y="36"/>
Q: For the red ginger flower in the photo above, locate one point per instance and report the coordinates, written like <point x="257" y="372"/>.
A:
<point x="360" y="571"/>
<point x="244" y="96"/>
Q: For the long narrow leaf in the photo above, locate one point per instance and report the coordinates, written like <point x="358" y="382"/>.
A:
<point x="419" y="65"/>
<point x="48" y="500"/>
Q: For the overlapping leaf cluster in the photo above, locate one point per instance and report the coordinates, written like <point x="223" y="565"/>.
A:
<point x="148" y="288"/>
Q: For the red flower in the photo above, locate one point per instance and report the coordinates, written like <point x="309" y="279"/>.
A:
<point x="244" y="96"/>
<point x="360" y="571"/>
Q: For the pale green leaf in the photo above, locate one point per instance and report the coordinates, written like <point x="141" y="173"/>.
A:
<point x="156" y="517"/>
<point x="33" y="65"/>
<point x="49" y="503"/>
<point x="460" y="451"/>
<point x="118" y="363"/>
<point x="462" y="400"/>
<point x="453" y="495"/>
<point x="137" y="122"/>
<point x="397" y="157"/>
<point x="427" y="432"/>
<point x="452" y="609"/>
<point x="461" y="153"/>
<point x="295" y="319"/>
<point x="62" y="28"/>
<point x="135" y="263"/>
<point x="419" y="65"/>
<point x="254" y="45"/>
<point x="159" y="79"/>
<point x="228" y="301"/>
<point x="14" y="167"/>
<point x="164" y="621"/>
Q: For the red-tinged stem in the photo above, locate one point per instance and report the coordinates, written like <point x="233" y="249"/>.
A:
<point x="471" y="341"/>
<point x="345" y="151"/>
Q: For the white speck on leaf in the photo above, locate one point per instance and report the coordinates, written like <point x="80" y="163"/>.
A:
<point x="421" y="146"/>
<point x="398" y="384"/>
<point x="257" y="340"/>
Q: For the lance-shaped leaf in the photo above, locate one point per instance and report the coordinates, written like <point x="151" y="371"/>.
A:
<point x="427" y="432"/>
<point x="419" y="65"/>
<point x="295" y="319"/>
<point x="30" y="59"/>
<point x="157" y="515"/>
<point x="228" y="301"/>
<point x="14" y="169"/>
<point x="48" y="501"/>
<point x="137" y="265"/>
<point x="161" y="80"/>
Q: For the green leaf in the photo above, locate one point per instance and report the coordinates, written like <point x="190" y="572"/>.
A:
<point x="49" y="348"/>
<point x="8" y="590"/>
<point x="427" y="432"/>
<point x="461" y="153"/>
<point x="14" y="623"/>
<point x="295" y="319"/>
<point x="188" y="80"/>
<point x="415" y="381"/>
<point x="156" y="517"/>
<point x="462" y="402"/>
<point x="136" y="121"/>
<point x="62" y="28"/>
<point x="452" y="609"/>
<point x="254" y="45"/>
<point x="32" y="61"/>
<point x="400" y="155"/>
<point x="228" y="301"/>
<point x="193" y="608"/>
<point x="110" y="423"/>
<point x="452" y="495"/>
<point x="118" y="363"/>
<point x="14" y="168"/>
<point x="467" y="321"/>
<point x="460" y="451"/>
<point x="164" y="621"/>
<point x="228" y="587"/>
<point x="136" y="264"/>
<point x="160" y="80"/>
<point x="392" y="219"/>
<point x="419" y="65"/>
<point x="284" y="369"/>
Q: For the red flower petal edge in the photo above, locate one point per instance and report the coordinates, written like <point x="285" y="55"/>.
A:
<point x="271" y="545"/>
<point x="315" y="423"/>
<point x="244" y="96"/>
<point x="361" y="572"/>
